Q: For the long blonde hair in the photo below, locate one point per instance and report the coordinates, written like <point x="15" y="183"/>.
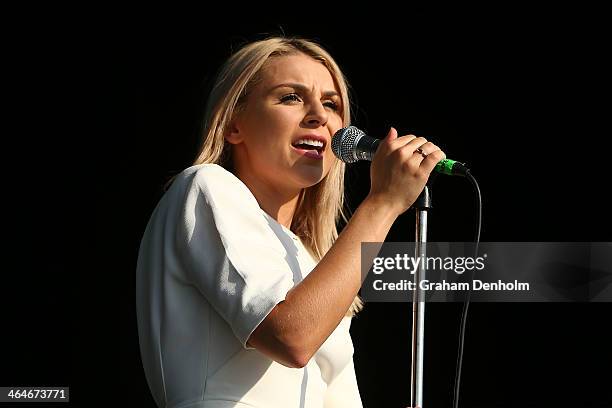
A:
<point x="319" y="207"/>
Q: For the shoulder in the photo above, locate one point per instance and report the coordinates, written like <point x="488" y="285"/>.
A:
<point x="220" y="187"/>
<point x="209" y="170"/>
<point x="203" y="174"/>
<point x="209" y="177"/>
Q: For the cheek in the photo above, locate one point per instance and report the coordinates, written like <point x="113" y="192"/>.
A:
<point x="335" y="124"/>
<point x="276" y="125"/>
<point x="264" y="130"/>
<point x="328" y="162"/>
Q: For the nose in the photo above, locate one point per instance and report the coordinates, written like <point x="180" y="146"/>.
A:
<point x="317" y="115"/>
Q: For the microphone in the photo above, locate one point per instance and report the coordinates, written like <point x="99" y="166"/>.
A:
<point x="351" y="144"/>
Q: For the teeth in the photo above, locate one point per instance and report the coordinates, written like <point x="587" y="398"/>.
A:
<point x="310" y="142"/>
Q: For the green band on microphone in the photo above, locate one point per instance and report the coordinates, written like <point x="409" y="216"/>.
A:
<point x="445" y="166"/>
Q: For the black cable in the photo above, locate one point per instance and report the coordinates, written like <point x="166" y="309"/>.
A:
<point x="466" y="303"/>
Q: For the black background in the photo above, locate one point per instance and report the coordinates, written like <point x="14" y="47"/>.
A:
<point x="106" y="108"/>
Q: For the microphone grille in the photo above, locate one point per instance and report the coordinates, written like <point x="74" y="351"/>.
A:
<point x="344" y="143"/>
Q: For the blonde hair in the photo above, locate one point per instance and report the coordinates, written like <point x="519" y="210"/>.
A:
<point x="319" y="207"/>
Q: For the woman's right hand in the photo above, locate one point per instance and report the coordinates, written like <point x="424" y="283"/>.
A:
<point x="399" y="171"/>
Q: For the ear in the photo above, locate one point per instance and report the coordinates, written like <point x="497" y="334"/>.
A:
<point x="232" y="133"/>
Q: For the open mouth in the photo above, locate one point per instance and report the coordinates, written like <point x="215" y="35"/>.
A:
<point x="309" y="144"/>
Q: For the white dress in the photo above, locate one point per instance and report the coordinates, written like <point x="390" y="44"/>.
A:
<point x="211" y="266"/>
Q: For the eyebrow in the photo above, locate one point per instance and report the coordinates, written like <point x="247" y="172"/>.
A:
<point x="303" y="88"/>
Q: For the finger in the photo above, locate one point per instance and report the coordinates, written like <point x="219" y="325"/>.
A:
<point x="386" y="142"/>
<point x="402" y="141"/>
<point x="428" y="148"/>
<point x="412" y="145"/>
<point x="417" y="151"/>
<point x="429" y="162"/>
<point x="391" y="136"/>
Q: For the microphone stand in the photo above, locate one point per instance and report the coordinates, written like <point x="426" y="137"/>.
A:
<point x="421" y="205"/>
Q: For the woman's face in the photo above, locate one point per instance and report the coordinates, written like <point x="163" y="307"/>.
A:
<point x="282" y="136"/>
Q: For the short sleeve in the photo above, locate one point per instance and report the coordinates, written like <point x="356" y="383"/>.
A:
<point x="229" y="251"/>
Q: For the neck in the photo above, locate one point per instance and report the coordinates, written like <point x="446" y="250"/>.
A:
<point x="278" y="202"/>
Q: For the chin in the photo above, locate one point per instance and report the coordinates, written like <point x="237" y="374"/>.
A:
<point x="306" y="182"/>
<point x="308" y="177"/>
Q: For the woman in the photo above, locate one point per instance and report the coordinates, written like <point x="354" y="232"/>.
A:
<point x="245" y="291"/>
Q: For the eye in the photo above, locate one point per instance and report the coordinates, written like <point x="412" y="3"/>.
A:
<point x="331" y="104"/>
<point x="292" y="97"/>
